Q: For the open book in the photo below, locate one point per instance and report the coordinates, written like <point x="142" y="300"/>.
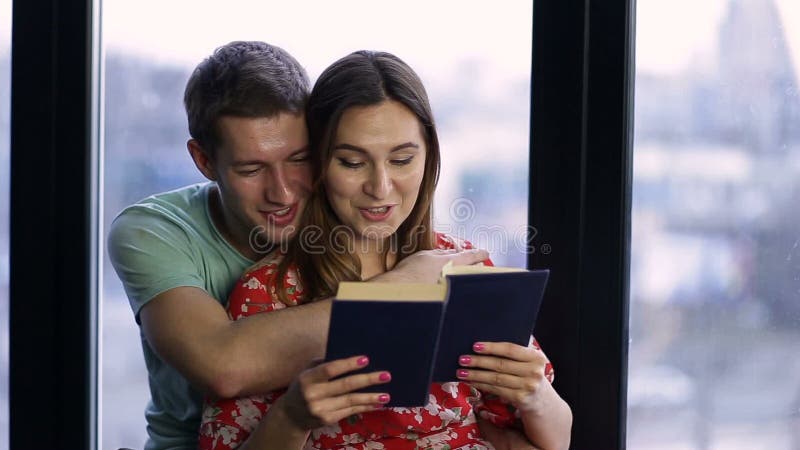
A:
<point x="418" y="331"/>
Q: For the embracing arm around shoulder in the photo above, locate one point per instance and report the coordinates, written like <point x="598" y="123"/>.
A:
<point x="191" y="331"/>
<point x="161" y="268"/>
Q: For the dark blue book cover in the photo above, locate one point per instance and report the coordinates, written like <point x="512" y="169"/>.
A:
<point x="488" y="307"/>
<point x="398" y="336"/>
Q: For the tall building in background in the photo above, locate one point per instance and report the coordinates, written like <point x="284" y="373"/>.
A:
<point x="760" y="102"/>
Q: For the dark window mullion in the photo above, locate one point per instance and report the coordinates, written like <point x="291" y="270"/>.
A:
<point x="52" y="325"/>
<point x="580" y="204"/>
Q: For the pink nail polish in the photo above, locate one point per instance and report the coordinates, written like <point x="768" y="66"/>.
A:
<point x="478" y="347"/>
<point x="464" y="360"/>
<point x="461" y="373"/>
<point x="383" y="398"/>
<point x="363" y="361"/>
<point x="385" y="376"/>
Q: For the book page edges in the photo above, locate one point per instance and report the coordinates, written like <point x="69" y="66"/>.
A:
<point x="407" y="292"/>
<point x="450" y="269"/>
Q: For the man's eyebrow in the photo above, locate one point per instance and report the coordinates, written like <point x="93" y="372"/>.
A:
<point x="256" y="162"/>
<point x="246" y="163"/>
<point x="355" y="148"/>
<point x="303" y="149"/>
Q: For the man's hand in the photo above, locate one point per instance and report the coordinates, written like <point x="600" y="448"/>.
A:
<point x="426" y="266"/>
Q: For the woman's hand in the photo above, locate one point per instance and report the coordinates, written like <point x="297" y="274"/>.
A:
<point x="504" y="438"/>
<point x="517" y="374"/>
<point x="313" y="400"/>
<point x="512" y="372"/>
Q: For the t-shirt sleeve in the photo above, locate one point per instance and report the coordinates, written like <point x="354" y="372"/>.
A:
<point x="151" y="255"/>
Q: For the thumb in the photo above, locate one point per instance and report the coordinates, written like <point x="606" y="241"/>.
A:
<point x="315" y="362"/>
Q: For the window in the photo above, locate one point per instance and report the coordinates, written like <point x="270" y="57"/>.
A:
<point x="714" y="311"/>
<point x="475" y="63"/>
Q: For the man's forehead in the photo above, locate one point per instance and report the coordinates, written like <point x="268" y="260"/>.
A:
<point x="285" y="132"/>
<point x="280" y="121"/>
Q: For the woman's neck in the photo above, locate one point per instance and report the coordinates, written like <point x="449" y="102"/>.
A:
<point x="376" y="257"/>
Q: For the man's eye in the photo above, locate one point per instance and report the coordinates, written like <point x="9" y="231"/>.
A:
<point x="248" y="173"/>
<point x="301" y="157"/>
<point x="402" y="162"/>
<point x="350" y="164"/>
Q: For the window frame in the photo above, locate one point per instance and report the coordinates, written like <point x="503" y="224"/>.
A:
<point x="579" y="203"/>
<point x="55" y="169"/>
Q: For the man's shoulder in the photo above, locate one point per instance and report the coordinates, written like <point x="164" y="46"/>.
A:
<point x="177" y="216"/>
<point x="185" y="204"/>
<point x="183" y="198"/>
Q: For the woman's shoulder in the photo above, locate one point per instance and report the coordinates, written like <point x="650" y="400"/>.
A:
<point x="268" y="263"/>
<point x="447" y="242"/>
<point x="257" y="289"/>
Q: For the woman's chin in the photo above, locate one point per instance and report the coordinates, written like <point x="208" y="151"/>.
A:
<point x="376" y="235"/>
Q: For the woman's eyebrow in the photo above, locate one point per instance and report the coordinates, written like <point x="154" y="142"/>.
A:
<point x="355" y="148"/>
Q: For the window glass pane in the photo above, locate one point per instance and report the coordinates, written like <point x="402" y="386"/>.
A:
<point x="475" y="63"/>
<point x="5" y="125"/>
<point x="715" y="270"/>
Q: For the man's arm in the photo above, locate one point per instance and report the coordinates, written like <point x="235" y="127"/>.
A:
<point x="191" y="331"/>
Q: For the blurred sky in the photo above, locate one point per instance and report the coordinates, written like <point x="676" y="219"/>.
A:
<point x="423" y="33"/>
<point x="671" y="34"/>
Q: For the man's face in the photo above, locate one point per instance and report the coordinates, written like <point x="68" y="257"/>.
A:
<point x="264" y="176"/>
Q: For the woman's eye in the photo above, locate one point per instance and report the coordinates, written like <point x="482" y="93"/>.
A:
<point x="350" y="164"/>
<point x="402" y="162"/>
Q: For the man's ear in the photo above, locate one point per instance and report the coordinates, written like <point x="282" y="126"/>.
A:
<point x="204" y="164"/>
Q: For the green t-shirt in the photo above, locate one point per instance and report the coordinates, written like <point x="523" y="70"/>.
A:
<point x="162" y="242"/>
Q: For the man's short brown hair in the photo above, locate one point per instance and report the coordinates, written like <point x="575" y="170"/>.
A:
<point x="242" y="79"/>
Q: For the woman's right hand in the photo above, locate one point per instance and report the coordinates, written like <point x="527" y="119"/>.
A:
<point x="314" y="400"/>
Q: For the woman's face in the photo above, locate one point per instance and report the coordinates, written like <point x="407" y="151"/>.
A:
<point x="376" y="168"/>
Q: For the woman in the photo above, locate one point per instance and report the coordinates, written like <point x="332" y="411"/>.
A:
<point x="376" y="159"/>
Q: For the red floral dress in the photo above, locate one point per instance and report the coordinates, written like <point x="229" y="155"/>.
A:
<point x="447" y="422"/>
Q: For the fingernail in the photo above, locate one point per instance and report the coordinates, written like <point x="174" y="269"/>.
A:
<point x="363" y="361"/>
<point x="383" y="398"/>
<point x="465" y="360"/>
<point x="385" y="376"/>
<point x="461" y="373"/>
<point x="478" y="347"/>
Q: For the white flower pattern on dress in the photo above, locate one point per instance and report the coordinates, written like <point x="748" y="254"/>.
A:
<point x="253" y="283"/>
<point x="249" y="415"/>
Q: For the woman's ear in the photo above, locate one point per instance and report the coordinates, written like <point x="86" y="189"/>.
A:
<point x="201" y="159"/>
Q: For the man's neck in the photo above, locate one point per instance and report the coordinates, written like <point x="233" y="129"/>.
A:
<point x="222" y="223"/>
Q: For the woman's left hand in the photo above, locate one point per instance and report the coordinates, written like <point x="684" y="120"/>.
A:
<point x="512" y="372"/>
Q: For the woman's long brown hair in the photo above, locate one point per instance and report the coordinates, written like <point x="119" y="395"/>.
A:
<point x="321" y="250"/>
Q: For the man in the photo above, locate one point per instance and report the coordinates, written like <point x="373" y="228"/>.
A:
<point x="179" y="253"/>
